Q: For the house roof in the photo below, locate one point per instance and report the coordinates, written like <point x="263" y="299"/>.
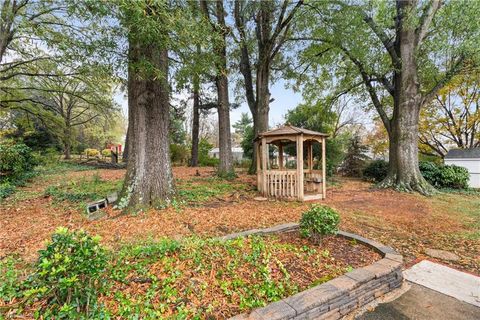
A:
<point x="290" y="130"/>
<point x="463" y="153"/>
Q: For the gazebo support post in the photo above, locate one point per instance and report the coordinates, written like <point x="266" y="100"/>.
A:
<point x="310" y="156"/>
<point x="280" y="156"/>
<point x="300" y="166"/>
<point x="324" y="170"/>
<point x="264" y="166"/>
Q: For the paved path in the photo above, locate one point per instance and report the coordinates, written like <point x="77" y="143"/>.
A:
<point x="437" y="293"/>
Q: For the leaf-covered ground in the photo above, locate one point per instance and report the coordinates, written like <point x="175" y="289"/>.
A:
<point x="208" y="206"/>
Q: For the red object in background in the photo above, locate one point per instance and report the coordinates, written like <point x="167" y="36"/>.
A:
<point x="115" y="147"/>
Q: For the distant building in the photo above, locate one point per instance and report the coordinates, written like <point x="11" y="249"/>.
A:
<point x="470" y="160"/>
<point x="237" y="153"/>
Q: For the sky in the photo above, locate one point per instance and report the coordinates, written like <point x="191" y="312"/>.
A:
<point x="285" y="99"/>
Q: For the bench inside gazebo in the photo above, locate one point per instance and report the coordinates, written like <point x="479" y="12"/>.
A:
<point x="277" y="177"/>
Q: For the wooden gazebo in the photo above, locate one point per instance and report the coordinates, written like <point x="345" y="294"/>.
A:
<point x="277" y="178"/>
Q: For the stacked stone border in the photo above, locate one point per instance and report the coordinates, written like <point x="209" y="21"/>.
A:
<point x="338" y="297"/>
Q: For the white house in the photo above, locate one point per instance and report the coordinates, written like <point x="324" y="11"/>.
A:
<point x="237" y="153"/>
<point x="469" y="159"/>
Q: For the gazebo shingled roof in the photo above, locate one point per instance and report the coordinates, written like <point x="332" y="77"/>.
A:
<point x="290" y="130"/>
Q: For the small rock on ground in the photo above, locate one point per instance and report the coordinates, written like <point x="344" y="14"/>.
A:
<point x="442" y="254"/>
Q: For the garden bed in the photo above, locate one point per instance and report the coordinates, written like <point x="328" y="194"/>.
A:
<point x="215" y="279"/>
<point x="198" y="278"/>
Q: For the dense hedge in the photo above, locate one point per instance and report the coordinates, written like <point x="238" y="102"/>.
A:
<point x="440" y="176"/>
<point x="17" y="162"/>
<point x="376" y="170"/>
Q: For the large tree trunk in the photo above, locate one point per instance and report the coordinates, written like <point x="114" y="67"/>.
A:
<point x="149" y="180"/>
<point x="126" y="147"/>
<point x="262" y="107"/>
<point x="404" y="173"/>
<point x="225" y="167"/>
<point x="195" y="124"/>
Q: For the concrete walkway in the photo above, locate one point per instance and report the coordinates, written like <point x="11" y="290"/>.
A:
<point x="437" y="292"/>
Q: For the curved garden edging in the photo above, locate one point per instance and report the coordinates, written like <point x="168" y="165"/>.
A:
<point x="339" y="296"/>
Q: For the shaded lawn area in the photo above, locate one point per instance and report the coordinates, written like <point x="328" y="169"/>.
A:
<point x="207" y="206"/>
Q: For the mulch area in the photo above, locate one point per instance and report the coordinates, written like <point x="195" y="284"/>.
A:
<point x="408" y="222"/>
<point x="213" y="290"/>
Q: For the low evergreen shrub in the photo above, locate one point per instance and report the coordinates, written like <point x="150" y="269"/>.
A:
<point x="319" y="221"/>
<point x="69" y="275"/>
<point x="376" y="171"/>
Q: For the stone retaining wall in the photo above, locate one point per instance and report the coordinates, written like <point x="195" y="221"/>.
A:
<point x="337" y="297"/>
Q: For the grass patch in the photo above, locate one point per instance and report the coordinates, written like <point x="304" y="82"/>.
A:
<point x="196" y="191"/>
<point x="83" y="190"/>
<point x="463" y="207"/>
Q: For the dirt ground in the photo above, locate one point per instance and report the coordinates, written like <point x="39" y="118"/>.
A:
<point x="408" y="222"/>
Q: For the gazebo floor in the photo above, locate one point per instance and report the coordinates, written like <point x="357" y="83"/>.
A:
<point x="306" y="197"/>
<point x="313" y="196"/>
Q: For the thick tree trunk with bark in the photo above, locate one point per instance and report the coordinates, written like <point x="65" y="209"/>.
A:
<point x="271" y="32"/>
<point x="404" y="173"/>
<point x="225" y="167"/>
<point x="149" y="179"/>
<point x="261" y="108"/>
<point x="195" y="124"/>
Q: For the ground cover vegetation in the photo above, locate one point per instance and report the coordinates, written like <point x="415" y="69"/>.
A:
<point x="75" y="276"/>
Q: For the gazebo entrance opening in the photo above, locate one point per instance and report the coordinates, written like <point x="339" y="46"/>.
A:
<point x="288" y="166"/>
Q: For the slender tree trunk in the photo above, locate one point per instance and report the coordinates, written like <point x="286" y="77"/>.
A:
<point x="67" y="142"/>
<point x="196" y="123"/>
<point x="404" y="173"/>
<point x="149" y="180"/>
<point x="67" y="151"/>
<point x="225" y="167"/>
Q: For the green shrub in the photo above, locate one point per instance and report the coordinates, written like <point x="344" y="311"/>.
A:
<point x="179" y="153"/>
<point x="9" y="279"/>
<point x="16" y="159"/>
<point x="244" y="163"/>
<point x="440" y="176"/>
<point x="68" y="275"/>
<point x="106" y="152"/>
<point x="318" y="222"/>
<point x="91" y="152"/>
<point x="208" y="162"/>
<point x="376" y="171"/>
<point x="6" y="189"/>
<point x="454" y="177"/>
<point x="431" y="172"/>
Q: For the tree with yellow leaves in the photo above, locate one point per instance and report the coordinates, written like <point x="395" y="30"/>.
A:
<point x="452" y="119"/>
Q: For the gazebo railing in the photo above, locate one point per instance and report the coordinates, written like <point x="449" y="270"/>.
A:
<point x="280" y="184"/>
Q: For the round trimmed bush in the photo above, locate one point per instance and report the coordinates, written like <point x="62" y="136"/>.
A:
<point x="455" y="177"/>
<point x="106" y="152"/>
<point x="91" y="152"/>
<point x="319" y="221"/>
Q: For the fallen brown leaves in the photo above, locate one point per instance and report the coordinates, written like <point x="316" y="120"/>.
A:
<point x="407" y="222"/>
